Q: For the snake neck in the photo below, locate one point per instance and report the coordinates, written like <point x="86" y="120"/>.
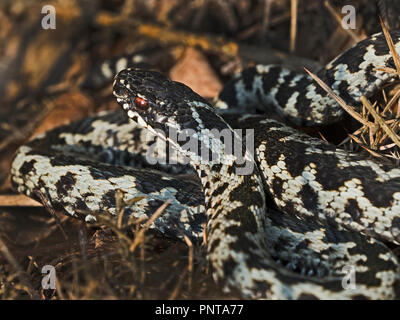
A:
<point x="225" y="183"/>
<point x="235" y="206"/>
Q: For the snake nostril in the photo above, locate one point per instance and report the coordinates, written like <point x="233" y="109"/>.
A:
<point x="120" y="91"/>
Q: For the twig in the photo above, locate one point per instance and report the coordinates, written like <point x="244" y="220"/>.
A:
<point x="190" y="261"/>
<point x="392" y="101"/>
<point x="120" y="205"/>
<point x="293" y="24"/>
<point x="266" y="18"/>
<point x="390" y="43"/>
<point x="361" y="144"/>
<point x="19" y="200"/>
<point x="178" y="286"/>
<point x="380" y="121"/>
<point x="139" y="236"/>
<point x="21" y="274"/>
<point x="340" y="101"/>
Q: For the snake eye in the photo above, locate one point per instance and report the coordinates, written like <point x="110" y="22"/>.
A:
<point x="141" y="103"/>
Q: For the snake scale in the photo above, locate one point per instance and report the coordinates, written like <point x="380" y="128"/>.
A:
<point x="306" y="205"/>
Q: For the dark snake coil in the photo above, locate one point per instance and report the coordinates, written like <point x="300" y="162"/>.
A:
<point x="344" y="199"/>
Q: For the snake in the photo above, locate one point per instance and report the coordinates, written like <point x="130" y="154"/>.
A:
<point x="291" y="227"/>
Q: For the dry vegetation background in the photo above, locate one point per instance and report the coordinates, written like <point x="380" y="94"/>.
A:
<point x="201" y="43"/>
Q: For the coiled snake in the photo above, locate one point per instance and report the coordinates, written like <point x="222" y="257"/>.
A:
<point x="334" y="207"/>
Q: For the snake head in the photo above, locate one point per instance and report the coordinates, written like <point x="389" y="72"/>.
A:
<point x="156" y="102"/>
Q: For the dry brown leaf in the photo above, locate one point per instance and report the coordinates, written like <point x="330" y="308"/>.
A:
<point x="67" y="107"/>
<point x="194" y="70"/>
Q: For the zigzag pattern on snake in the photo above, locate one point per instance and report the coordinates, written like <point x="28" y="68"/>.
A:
<point x="78" y="168"/>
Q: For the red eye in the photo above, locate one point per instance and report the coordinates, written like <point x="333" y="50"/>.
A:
<point x="140" y="103"/>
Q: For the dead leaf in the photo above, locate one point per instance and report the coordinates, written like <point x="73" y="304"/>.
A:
<point x="194" y="70"/>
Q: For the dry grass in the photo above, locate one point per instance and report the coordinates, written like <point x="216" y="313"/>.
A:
<point x="379" y="134"/>
<point x="108" y="261"/>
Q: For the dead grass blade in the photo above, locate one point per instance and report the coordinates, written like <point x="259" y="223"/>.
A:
<point x="380" y="121"/>
<point x="350" y="110"/>
<point x="390" y="43"/>
<point x="190" y="260"/>
<point x="140" y="235"/>
<point x="21" y="274"/>
<point x="293" y="24"/>
<point x="19" y="200"/>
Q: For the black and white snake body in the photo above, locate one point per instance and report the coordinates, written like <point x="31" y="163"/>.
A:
<point x="78" y="168"/>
